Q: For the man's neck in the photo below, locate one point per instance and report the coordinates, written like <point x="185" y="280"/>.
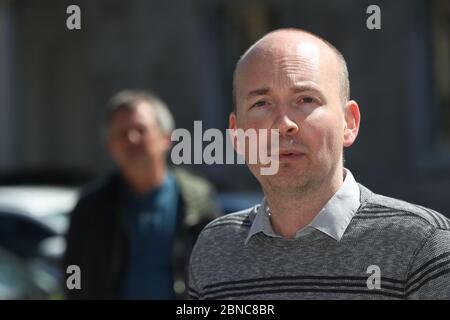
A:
<point x="290" y="213"/>
<point x="145" y="180"/>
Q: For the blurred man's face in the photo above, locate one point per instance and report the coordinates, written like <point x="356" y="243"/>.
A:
<point x="134" y="139"/>
<point x="291" y="84"/>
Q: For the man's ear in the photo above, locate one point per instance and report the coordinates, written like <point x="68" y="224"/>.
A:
<point x="352" y="119"/>
<point x="232" y="126"/>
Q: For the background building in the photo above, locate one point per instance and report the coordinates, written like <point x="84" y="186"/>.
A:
<point x="54" y="82"/>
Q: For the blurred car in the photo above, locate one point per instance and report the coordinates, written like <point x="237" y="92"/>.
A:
<point x="33" y="221"/>
<point x="15" y="280"/>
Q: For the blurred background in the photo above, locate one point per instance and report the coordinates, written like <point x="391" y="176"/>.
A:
<point x="54" y="84"/>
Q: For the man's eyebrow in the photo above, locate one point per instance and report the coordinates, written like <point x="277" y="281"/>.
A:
<point x="295" y="89"/>
<point x="258" y="92"/>
<point x="305" y="87"/>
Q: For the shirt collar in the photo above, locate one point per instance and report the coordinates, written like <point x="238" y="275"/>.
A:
<point x="333" y="219"/>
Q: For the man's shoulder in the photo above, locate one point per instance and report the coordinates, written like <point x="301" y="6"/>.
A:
<point x="198" y="195"/>
<point x="227" y="232"/>
<point x="105" y="188"/>
<point x="234" y="221"/>
<point x="194" y="181"/>
<point x="381" y="206"/>
<point x="229" y="228"/>
<point x="196" y="190"/>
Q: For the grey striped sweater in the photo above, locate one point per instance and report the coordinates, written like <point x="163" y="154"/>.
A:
<point x="391" y="250"/>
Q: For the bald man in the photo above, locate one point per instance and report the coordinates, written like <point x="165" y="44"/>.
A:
<point x="318" y="234"/>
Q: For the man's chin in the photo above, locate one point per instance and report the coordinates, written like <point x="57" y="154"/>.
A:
<point x="137" y="161"/>
<point x="290" y="183"/>
<point x="284" y="181"/>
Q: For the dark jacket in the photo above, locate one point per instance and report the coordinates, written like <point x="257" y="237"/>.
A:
<point x="97" y="239"/>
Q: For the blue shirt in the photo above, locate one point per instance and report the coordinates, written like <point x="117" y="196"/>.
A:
<point x="152" y="221"/>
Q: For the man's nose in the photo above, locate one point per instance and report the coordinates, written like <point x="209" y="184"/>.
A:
<point x="287" y="125"/>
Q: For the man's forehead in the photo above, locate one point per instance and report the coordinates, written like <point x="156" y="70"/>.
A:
<point x="302" y="50"/>
<point x="305" y="58"/>
<point x="286" y="42"/>
<point x="302" y="63"/>
<point x="140" y="112"/>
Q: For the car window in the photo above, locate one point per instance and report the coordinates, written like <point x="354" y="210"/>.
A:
<point x="21" y="235"/>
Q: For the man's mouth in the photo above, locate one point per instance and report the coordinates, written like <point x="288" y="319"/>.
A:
<point x="289" y="155"/>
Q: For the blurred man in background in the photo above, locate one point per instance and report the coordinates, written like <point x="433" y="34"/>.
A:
<point x="131" y="234"/>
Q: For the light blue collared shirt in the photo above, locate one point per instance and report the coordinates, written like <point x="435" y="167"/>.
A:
<point x="333" y="219"/>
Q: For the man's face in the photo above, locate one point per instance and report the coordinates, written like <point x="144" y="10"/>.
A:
<point x="134" y="138"/>
<point x="293" y="86"/>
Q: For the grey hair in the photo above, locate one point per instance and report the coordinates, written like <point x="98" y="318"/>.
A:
<point x="129" y="99"/>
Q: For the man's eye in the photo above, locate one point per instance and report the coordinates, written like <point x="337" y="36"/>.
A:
<point x="260" y="103"/>
<point x="307" y="100"/>
<point x="142" y="130"/>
